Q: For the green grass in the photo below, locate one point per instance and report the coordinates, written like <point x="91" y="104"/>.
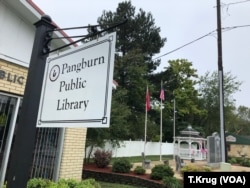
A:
<point x="116" y="185"/>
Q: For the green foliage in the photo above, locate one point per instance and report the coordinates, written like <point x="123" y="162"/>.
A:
<point x="197" y="98"/>
<point x="38" y="183"/>
<point x="139" y="170"/>
<point x="210" y="101"/>
<point x="239" y="160"/>
<point x="70" y="183"/>
<point x="160" y="171"/>
<point x="241" y="122"/>
<point x="246" y="163"/>
<point x="171" y="182"/>
<point x="122" y="165"/>
<point x="102" y="158"/>
<point x="95" y="138"/>
<point x="195" y="168"/>
<point x="63" y="183"/>
<point x="139" y="32"/>
<point x="89" y="183"/>
<point x="232" y="160"/>
<point x="131" y="71"/>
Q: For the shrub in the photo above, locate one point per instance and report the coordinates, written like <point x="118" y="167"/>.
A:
<point x="232" y="160"/>
<point x="239" y="160"/>
<point x="121" y="166"/>
<point x="194" y="168"/>
<point x="171" y="182"/>
<point x="245" y="162"/>
<point x="70" y="183"/>
<point x="102" y="158"/>
<point x="139" y="170"/>
<point x="160" y="171"/>
<point x="88" y="183"/>
<point x="39" y="183"/>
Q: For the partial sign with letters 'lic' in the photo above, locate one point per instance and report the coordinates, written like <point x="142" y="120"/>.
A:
<point x="77" y="86"/>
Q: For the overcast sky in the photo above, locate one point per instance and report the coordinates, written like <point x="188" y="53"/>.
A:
<point x="181" y="22"/>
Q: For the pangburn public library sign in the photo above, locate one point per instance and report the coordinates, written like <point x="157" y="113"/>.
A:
<point x="77" y="86"/>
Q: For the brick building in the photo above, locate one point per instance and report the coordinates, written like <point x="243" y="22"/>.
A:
<point x="59" y="152"/>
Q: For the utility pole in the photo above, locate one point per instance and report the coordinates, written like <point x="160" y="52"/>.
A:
<point x="24" y="144"/>
<point x="221" y="91"/>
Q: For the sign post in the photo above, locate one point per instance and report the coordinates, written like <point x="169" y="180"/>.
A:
<point x="22" y="153"/>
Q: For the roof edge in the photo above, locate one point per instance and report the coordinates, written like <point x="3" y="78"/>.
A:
<point x="40" y="11"/>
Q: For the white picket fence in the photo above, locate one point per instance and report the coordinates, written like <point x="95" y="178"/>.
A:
<point x="135" y="148"/>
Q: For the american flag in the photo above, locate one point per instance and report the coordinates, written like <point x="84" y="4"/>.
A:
<point x="162" y="96"/>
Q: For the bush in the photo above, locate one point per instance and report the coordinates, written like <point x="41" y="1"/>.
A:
<point x="171" y="182"/>
<point x="139" y="170"/>
<point x="245" y="162"/>
<point x="194" y="168"/>
<point x="160" y="171"/>
<point x="70" y="183"/>
<point x="102" y="158"/>
<point x="232" y="160"/>
<point x="39" y="183"/>
<point x="88" y="183"/>
<point x="239" y="160"/>
<point x="121" y="166"/>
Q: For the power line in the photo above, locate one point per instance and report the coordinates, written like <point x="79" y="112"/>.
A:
<point x="208" y="34"/>
<point x="236" y="2"/>
<point x="185" y="45"/>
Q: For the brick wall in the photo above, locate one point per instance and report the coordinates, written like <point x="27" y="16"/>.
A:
<point x="12" y="78"/>
<point x="73" y="153"/>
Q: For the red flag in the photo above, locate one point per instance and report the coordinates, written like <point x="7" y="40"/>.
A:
<point x="162" y="96"/>
<point x="147" y="100"/>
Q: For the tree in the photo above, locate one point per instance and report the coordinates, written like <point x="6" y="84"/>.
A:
<point x="185" y="93"/>
<point x="241" y="122"/>
<point x="209" y="100"/>
<point x="179" y="81"/>
<point x="137" y="40"/>
<point x="139" y="32"/>
<point x="243" y="113"/>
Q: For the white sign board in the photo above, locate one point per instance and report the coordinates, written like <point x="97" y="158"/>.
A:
<point x="77" y="86"/>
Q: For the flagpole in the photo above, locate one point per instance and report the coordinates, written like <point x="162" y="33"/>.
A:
<point x="147" y="107"/>
<point x="161" y="134"/>
<point x="162" y="97"/>
<point x="145" y="136"/>
<point x="174" y="131"/>
<point x="161" y="128"/>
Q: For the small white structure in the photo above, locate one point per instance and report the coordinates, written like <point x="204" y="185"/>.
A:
<point x="190" y="145"/>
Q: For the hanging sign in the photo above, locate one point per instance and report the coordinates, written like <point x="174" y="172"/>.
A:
<point x="77" y="86"/>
